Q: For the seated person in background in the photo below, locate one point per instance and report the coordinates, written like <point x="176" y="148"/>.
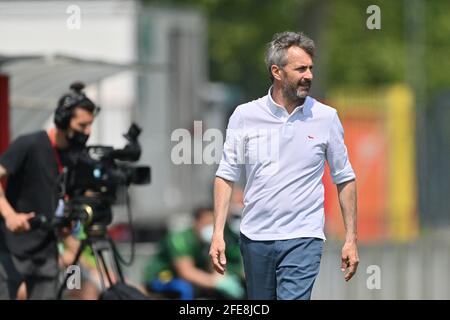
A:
<point x="182" y="266"/>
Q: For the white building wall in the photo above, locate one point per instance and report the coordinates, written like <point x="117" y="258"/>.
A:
<point x="106" y="33"/>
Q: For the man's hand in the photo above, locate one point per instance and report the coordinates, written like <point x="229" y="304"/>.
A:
<point x="350" y="260"/>
<point x="16" y="222"/>
<point x="217" y="253"/>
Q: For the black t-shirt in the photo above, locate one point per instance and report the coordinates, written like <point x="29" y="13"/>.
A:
<point x="32" y="168"/>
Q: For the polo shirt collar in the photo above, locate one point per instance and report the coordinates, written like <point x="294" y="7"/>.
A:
<point x="279" y="110"/>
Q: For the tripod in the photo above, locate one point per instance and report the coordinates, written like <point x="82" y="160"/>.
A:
<point x="106" y="261"/>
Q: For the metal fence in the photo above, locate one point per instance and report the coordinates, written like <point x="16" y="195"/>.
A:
<point x="433" y="154"/>
<point x="415" y="270"/>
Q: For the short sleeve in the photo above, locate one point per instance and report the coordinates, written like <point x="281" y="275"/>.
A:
<point x="337" y="156"/>
<point x="13" y="158"/>
<point x="179" y="246"/>
<point x="232" y="154"/>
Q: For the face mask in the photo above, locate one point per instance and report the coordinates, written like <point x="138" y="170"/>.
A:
<point x="77" y="139"/>
<point x="206" y="233"/>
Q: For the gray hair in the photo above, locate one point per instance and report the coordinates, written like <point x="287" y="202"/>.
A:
<point x="281" y="42"/>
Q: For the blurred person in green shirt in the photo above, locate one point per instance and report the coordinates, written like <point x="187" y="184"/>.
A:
<point x="181" y="266"/>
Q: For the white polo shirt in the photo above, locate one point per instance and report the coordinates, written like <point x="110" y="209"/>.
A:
<point x="283" y="157"/>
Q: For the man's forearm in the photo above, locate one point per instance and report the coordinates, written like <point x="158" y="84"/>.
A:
<point x="347" y="200"/>
<point x="5" y="207"/>
<point x="186" y="269"/>
<point x="4" y="204"/>
<point x="222" y="196"/>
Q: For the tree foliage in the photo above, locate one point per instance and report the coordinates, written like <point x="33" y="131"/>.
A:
<point x="238" y="31"/>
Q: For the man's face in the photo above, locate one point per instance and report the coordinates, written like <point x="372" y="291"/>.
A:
<point x="80" y="125"/>
<point x="296" y="76"/>
<point x="81" y="121"/>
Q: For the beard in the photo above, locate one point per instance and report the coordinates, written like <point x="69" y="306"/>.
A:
<point x="296" y="92"/>
<point x="77" y="139"/>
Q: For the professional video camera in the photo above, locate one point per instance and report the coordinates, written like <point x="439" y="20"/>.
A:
<point x="89" y="186"/>
<point x="94" y="176"/>
<point x="90" y="182"/>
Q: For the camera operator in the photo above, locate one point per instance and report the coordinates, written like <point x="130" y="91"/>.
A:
<point x="33" y="163"/>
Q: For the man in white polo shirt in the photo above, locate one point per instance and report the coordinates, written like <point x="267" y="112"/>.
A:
<point x="282" y="141"/>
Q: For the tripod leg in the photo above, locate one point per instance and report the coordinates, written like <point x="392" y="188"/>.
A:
<point x="101" y="266"/>
<point x="75" y="261"/>
<point x="115" y="261"/>
<point x="108" y="264"/>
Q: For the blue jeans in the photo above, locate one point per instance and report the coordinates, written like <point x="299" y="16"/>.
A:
<point x="281" y="269"/>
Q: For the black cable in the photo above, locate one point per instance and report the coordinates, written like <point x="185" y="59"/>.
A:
<point x="133" y="242"/>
